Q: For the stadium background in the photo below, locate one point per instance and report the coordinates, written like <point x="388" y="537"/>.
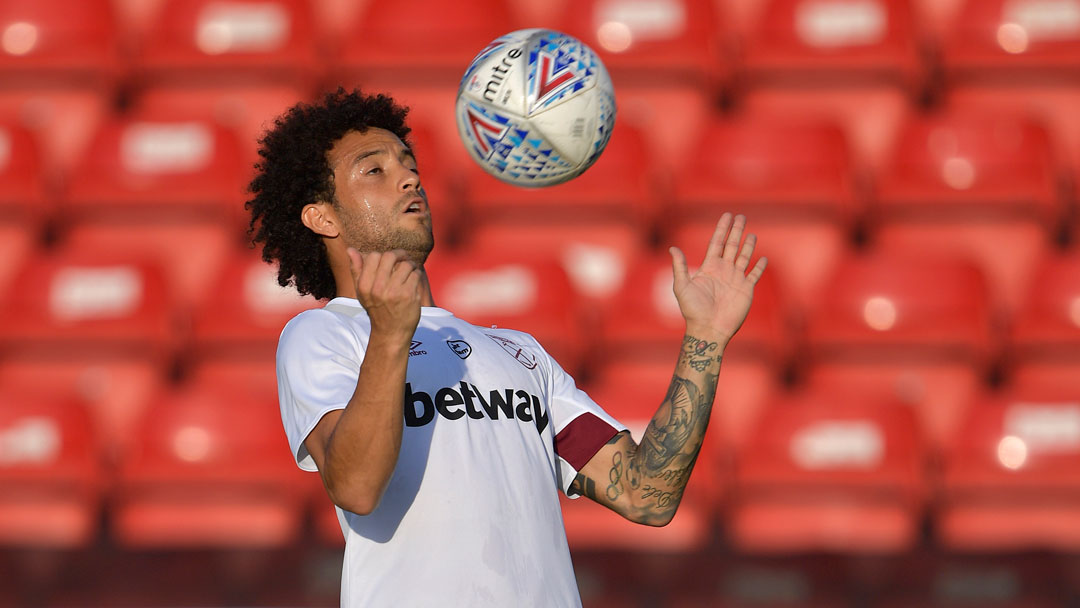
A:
<point x="897" y="424"/>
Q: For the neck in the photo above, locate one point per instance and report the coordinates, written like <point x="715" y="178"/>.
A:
<point x="346" y="288"/>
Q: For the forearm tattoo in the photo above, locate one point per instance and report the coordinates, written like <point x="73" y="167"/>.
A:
<point x="654" y="473"/>
<point x="698" y="354"/>
<point x="658" y="470"/>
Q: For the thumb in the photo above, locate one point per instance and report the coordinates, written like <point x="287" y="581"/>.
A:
<point x="356" y="262"/>
<point x="678" y="266"/>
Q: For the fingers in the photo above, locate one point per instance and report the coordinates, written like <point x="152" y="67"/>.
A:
<point x="376" y="271"/>
<point x="678" y="267"/>
<point x="716" y="243"/>
<point x="743" y="260"/>
<point x="759" y="268"/>
<point x="731" y="248"/>
<point x="356" y="261"/>
<point x="401" y="270"/>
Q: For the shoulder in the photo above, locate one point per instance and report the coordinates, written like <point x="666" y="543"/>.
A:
<point x="522" y="345"/>
<point x="315" y="319"/>
<point x="511" y="336"/>
<point x="318" y="326"/>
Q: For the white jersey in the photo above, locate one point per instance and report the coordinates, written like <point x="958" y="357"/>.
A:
<point x="493" y="426"/>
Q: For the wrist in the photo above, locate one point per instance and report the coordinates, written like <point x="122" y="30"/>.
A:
<point x="389" y="342"/>
<point x="708" y="334"/>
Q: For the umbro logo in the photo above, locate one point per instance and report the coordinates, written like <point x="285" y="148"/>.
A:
<point x="414" y="349"/>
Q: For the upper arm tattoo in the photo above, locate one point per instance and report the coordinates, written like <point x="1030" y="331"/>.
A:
<point x="584" y="486"/>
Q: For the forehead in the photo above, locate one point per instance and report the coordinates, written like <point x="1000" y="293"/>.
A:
<point x="357" y="142"/>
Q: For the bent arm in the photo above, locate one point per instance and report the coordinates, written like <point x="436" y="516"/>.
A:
<point x="356" y="448"/>
<point x="645" y="482"/>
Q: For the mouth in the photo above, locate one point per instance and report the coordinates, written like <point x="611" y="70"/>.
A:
<point x="416" y="205"/>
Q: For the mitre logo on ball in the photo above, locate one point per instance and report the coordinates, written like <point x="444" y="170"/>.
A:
<point x="535" y="108"/>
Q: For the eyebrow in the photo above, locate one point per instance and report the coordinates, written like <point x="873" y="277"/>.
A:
<point x="405" y="152"/>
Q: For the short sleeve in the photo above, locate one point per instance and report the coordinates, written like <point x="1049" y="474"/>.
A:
<point x="581" y="426"/>
<point x="318" y="362"/>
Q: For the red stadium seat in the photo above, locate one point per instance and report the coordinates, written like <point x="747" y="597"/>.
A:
<point x="440" y="41"/>
<point x="24" y="201"/>
<point x="246" y="312"/>
<point x="780" y="165"/>
<point x="90" y="327"/>
<point x="155" y="167"/>
<point x="1011" y="477"/>
<point x="253" y="375"/>
<point x="22" y="186"/>
<point x="596" y="256"/>
<point x="79" y="303"/>
<point x="218" y="41"/>
<point x="505" y="288"/>
<point x="190" y="254"/>
<point x="114" y="390"/>
<point x="18" y="240"/>
<point x="870" y="115"/>
<point x="655" y="43"/>
<point x="816" y="43"/>
<point x="62" y="120"/>
<point x="58" y="42"/>
<point x="249" y="110"/>
<point x="916" y="329"/>
<point x="1010" y="40"/>
<point x="1045" y="375"/>
<point x="897" y="304"/>
<point x="964" y="184"/>
<point x="830" y="472"/>
<point x="193" y="480"/>
<point x="939" y="391"/>
<point x="794" y="182"/>
<point x="618" y="188"/>
<point x="668" y="117"/>
<point x="1047" y="327"/>
<point x="50" y="471"/>
<point x="1051" y="104"/>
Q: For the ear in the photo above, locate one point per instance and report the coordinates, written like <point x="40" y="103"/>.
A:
<point x="320" y="219"/>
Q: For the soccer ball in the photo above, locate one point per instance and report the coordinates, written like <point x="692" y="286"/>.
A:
<point x="535" y="108"/>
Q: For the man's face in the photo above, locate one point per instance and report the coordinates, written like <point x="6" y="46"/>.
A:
<point x="380" y="202"/>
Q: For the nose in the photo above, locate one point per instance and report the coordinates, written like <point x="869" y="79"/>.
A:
<point x="411" y="179"/>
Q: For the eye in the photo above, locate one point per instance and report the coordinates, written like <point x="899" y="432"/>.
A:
<point x="373" y="170"/>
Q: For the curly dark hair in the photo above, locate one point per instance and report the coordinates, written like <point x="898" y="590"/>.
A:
<point x="294" y="172"/>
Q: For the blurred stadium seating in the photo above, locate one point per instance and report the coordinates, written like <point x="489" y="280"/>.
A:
<point x="830" y="472"/>
<point x="192" y="480"/>
<point x="896" y="425"/>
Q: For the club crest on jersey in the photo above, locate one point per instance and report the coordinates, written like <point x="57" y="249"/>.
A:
<point x="461" y="348"/>
<point x="519" y="354"/>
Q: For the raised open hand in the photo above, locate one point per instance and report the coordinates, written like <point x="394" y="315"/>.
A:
<point x="716" y="298"/>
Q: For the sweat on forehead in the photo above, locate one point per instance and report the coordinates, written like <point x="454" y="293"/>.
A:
<point x="357" y="145"/>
